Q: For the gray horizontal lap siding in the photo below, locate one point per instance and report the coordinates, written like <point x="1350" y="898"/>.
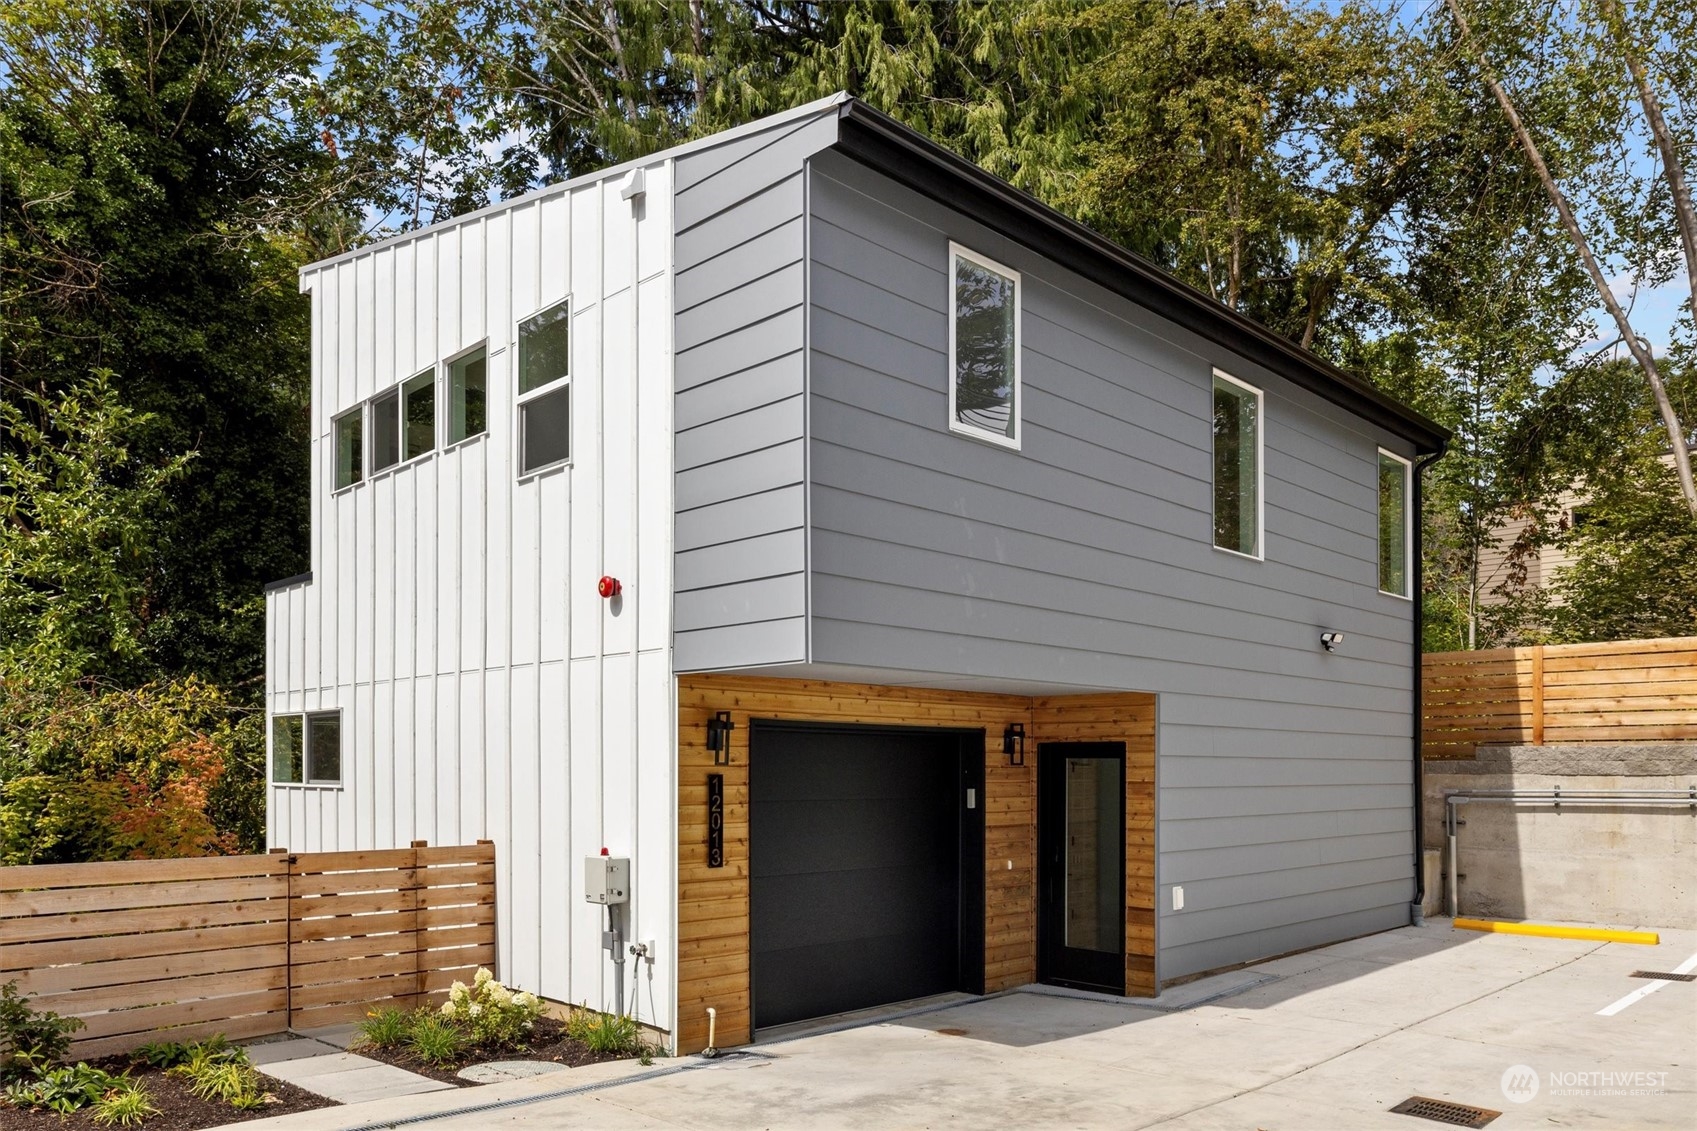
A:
<point x="1087" y="558"/>
<point x="740" y="459"/>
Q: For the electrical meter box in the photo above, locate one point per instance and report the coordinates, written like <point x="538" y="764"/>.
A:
<point x="606" y="879"/>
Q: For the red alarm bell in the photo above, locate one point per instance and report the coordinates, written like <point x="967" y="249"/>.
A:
<point x="609" y="587"/>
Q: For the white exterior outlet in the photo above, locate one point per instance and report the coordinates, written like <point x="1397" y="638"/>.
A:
<point x="1178" y="898"/>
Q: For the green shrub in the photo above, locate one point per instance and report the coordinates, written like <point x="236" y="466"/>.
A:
<point x="160" y="1054"/>
<point x="230" y="1082"/>
<point x="64" y="1090"/>
<point x="30" y="1040"/>
<point x="490" y="1014"/>
<point x="386" y="1028"/>
<point x="436" y="1039"/>
<point x="125" y="1105"/>
<point x="605" y="1033"/>
<point x="202" y="1056"/>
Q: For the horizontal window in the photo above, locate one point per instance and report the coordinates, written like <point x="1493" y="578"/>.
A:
<point x="307" y="749"/>
<point x="984" y="349"/>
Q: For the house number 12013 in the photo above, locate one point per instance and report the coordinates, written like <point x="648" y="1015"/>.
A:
<point x="715" y="820"/>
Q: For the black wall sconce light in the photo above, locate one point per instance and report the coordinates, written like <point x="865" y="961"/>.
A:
<point x="1013" y="744"/>
<point x="1330" y="640"/>
<point x="719" y="729"/>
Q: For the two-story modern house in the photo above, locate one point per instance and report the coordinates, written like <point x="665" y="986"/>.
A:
<point x="921" y="592"/>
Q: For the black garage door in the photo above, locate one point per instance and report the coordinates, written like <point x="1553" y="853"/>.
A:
<point x="859" y="841"/>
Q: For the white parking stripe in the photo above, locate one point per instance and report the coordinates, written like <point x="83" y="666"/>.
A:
<point x="1642" y="992"/>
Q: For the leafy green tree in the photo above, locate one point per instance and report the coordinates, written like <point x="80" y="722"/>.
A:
<point x="147" y="159"/>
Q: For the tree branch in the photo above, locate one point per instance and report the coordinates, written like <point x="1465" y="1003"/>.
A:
<point x="1640" y="350"/>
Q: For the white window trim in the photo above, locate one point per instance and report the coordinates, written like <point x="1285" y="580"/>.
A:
<point x="958" y="252"/>
<point x="306" y="751"/>
<point x="360" y="410"/>
<point x="521" y="399"/>
<point x="445" y="393"/>
<point x="1260" y="554"/>
<point x="1407" y="524"/>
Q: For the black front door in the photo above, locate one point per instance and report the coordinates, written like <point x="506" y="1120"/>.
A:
<point x="866" y="863"/>
<point x="1081" y="865"/>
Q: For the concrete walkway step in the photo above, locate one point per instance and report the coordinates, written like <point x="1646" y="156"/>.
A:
<point x="329" y="1071"/>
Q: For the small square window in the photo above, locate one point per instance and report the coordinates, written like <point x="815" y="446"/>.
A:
<point x="385" y="431"/>
<point x="983" y="349"/>
<point x="350" y="448"/>
<point x="418" y="400"/>
<point x="468" y="395"/>
<point x="307" y="749"/>
<point x="1394" y="484"/>
<point x="1237" y="466"/>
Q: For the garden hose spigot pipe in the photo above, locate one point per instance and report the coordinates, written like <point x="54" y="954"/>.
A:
<point x="615" y="942"/>
<point x="711" y="1050"/>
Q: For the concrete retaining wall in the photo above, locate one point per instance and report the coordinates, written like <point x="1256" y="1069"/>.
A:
<point x="1621" y="864"/>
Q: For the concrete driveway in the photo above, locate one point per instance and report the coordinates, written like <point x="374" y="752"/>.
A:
<point x="1326" y="1039"/>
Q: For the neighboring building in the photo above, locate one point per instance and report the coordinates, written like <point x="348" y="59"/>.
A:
<point x="891" y="464"/>
<point x="1543" y="563"/>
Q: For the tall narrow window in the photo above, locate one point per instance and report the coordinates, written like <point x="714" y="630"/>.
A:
<point x="385" y="430"/>
<point x="1237" y="466"/>
<point x="983" y="348"/>
<point x="349" y="434"/>
<point x="1394" y="484"/>
<point x="288" y="749"/>
<point x="468" y="395"/>
<point x="324" y="747"/>
<point x="545" y="388"/>
<point x="418" y="409"/>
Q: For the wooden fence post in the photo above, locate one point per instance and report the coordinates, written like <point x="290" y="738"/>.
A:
<point x="1538" y="695"/>
<point x="420" y="963"/>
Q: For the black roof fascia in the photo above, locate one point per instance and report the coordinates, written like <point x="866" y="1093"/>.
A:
<point x="902" y="153"/>
<point x="285" y="582"/>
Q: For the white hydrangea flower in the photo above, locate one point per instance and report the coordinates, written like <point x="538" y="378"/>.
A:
<point x="475" y="1009"/>
<point x="458" y="992"/>
<point x="447" y="1009"/>
<point x="525" y="998"/>
<point x="483" y="975"/>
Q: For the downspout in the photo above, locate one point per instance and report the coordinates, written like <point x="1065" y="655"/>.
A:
<point x="1417" y="909"/>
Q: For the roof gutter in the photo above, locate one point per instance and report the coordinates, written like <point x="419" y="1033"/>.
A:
<point x="880" y="141"/>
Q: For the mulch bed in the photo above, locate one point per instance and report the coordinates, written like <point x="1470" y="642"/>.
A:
<point x="180" y="1109"/>
<point x="548" y="1041"/>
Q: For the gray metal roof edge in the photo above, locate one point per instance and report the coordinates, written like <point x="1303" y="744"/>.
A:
<point x="817" y="107"/>
<point x="903" y="153"/>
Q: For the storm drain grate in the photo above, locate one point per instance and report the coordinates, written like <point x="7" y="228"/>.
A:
<point x="1456" y="1115"/>
<point x="1664" y="976"/>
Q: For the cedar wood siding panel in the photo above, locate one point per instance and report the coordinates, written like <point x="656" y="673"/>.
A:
<point x="740" y="459"/>
<point x="1087" y="558"/>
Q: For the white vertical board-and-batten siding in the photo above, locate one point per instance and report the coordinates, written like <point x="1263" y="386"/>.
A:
<point x="486" y="689"/>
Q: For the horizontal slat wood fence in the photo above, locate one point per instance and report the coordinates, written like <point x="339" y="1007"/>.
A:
<point x="1624" y="691"/>
<point x="142" y="950"/>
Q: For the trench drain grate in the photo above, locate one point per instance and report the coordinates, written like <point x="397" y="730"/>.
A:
<point x="1442" y="1111"/>
<point x="1664" y="976"/>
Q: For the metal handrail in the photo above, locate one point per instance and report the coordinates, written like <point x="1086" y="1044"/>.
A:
<point x="1554" y="797"/>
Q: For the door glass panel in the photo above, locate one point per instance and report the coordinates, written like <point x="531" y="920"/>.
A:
<point x="1095" y="907"/>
